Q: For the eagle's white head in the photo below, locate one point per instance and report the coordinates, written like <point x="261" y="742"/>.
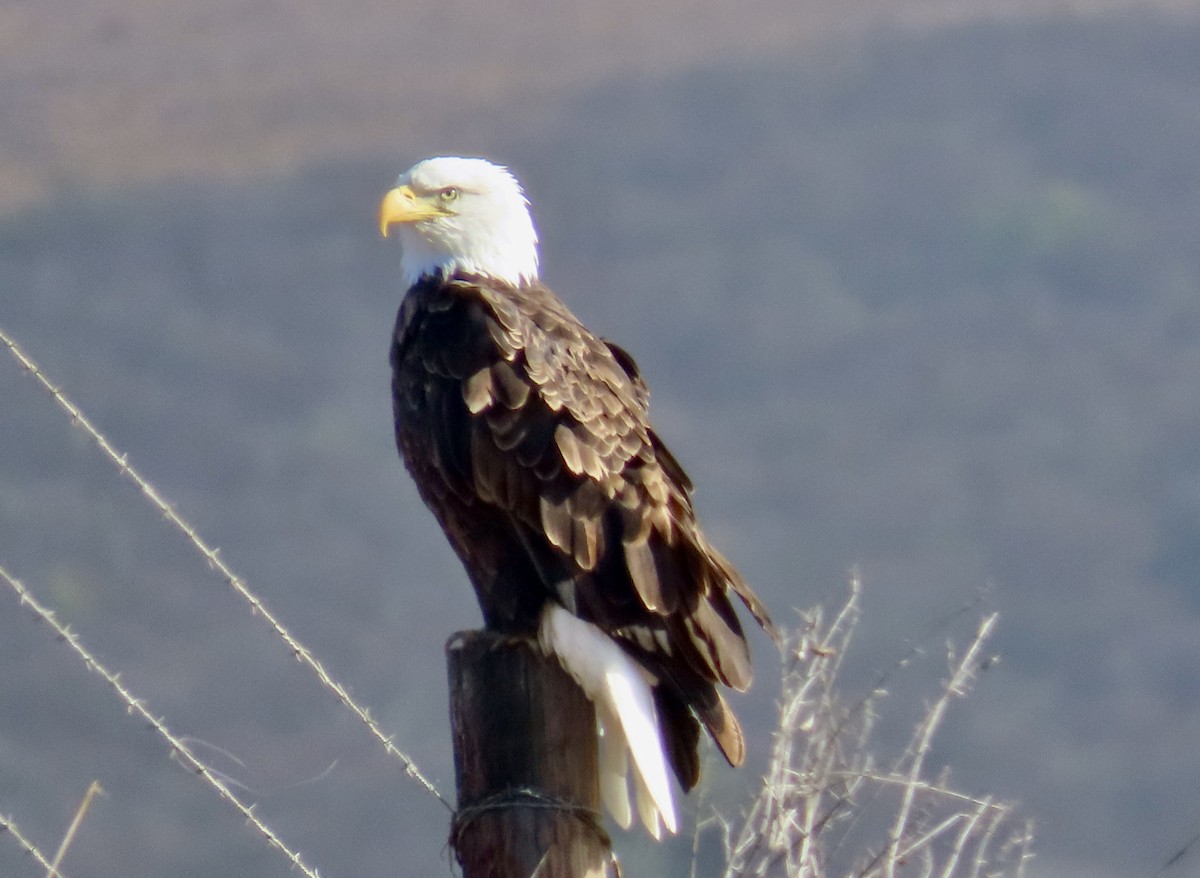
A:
<point x="461" y="214"/>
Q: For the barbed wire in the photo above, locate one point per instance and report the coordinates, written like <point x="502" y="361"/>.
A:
<point x="212" y="556"/>
<point x="136" y="707"/>
<point x="8" y="825"/>
<point x="525" y="797"/>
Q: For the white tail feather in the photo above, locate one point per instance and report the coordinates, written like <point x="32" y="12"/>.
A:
<point x="646" y="808"/>
<point x="614" y="769"/>
<point x="633" y="701"/>
<point x="625" y="714"/>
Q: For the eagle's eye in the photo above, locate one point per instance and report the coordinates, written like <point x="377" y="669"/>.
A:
<point x="449" y="194"/>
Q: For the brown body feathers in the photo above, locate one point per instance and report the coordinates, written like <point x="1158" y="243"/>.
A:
<point x="530" y="440"/>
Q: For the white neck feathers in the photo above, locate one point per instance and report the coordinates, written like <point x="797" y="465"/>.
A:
<point x="485" y="229"/>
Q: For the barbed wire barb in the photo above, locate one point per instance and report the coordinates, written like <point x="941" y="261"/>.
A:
<point x="9" y="826"/>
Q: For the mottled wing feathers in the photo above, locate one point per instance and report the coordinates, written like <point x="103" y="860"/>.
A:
<point x="540" y="432"/>
<point x="626" y="361"/>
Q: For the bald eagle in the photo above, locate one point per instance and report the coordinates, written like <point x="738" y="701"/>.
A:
<point x="529" y="438"/>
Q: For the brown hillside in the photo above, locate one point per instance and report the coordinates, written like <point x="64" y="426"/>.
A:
<point x="104" y="92"/>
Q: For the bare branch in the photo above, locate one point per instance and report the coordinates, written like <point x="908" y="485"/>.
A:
<point x="93" y="790"/>
<point x="822" y="793"/>
<point x="956" y="686"/>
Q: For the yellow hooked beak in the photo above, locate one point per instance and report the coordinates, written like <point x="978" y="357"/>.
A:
<point x="403" y="205"/>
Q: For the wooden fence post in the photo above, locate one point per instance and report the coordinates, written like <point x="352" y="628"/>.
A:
<point x="525" y="759"/>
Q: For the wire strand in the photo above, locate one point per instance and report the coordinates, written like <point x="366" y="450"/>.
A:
<point x="138" y="708"/>
<point x="212" y="556"/>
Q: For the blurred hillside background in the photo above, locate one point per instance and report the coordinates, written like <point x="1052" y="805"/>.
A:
<point x="916" y="286"/>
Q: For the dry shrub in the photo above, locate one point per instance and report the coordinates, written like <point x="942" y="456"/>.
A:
<point x="829" y="805"/>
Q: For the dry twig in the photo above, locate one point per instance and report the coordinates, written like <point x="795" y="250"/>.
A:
<point x="93" y="790"/>
<point x="823" y="801"/>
